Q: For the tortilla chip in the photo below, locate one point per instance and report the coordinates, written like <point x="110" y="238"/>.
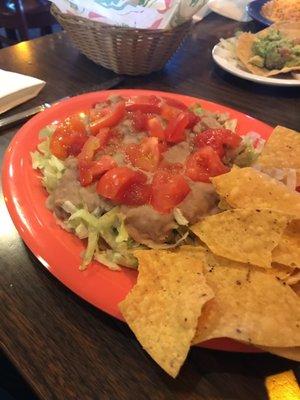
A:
<point x="288" y="250"/>
<point x="249" y="188"/>
<point x="282" y="386"/>
<point x="282" y="150"/>
<point x="294" y="279"/>
<point x="292" y="353"/>
<point x="250" y="305"/>
<point x="223" y="205"/>
<point x="246" y="40"/>
<point x="282" y="272"/>
<point x="296" y="288"/>
<point x="164" y="306"/>
<point x="244" y="235"/>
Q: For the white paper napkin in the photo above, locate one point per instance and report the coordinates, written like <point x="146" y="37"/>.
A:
<point x="16" y="88"/>
<point x="234" y="9"/>
<point x="203" y="12"/>
<point x="153" y="14"/>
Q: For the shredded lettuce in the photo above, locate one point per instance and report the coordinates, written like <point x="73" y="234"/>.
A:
<point x="91" y="247"/>
<point x="86" y="217"/>
<point x="42" y="159"/>
<point x="197" y="109"/>
<point x="81" y="231"/>
<point x="109" y="227"/>
<point x="249" y="150"/>
<point x="127" y="260"/>
<point x="179" y="217"/>
<point x="122" y="233"/>
<point x="231" y="124"/>
<point x="69" y="207"/>
<point x="101" y="257"/>
<point x="47" y="131"/>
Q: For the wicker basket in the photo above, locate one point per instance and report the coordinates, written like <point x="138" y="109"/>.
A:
<point x="124" y="50"/>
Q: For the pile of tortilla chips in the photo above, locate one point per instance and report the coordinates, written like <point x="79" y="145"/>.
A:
<point x="244" y="52"/>
<point x="242" y="282"/>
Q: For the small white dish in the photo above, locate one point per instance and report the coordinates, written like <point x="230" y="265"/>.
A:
<point x="225" y="58"/>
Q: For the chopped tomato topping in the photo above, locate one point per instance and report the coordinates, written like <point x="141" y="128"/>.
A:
<point x="203" y="164"/>
<point x="193" y="119"/>
<point x="175" y="131"/>
<point x="145" y="104"/>
<point x="103" y="136"/>
<point x="145" y="155"/>
<point x="156" y="128"/>
<point x="117" y="184"/>
<point x="174" y="168"/>
<point x="168" y="190"/>
<point x="137" y="195"/>
<point x="140" y="120"/>
<point x="89" y="171"/>
<point x="97" y="113"/>
<point x="218" y="139"/>
<point x="114" y="115"/>
<point x="75" y="123"/>
<point x="168" y="112"/>
<point x="89" y="148"/>
<point x="175" y="103"/>
<point x="75" y="142"/>
<point x="69" y="137"/>
<point x="162" y="145"/>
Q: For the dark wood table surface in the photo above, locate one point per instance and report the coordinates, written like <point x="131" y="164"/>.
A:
<point x="67" y="349"/>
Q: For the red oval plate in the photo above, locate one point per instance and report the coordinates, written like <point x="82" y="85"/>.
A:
<point x="58" y="250"/>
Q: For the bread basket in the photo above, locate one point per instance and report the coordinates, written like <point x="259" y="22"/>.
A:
<point x="124" y="50"/>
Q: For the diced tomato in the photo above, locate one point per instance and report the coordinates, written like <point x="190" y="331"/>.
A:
<point x="168" y="112"/>
<point x="116" y="184"/>
<point x="175" y="103"/>
<point x="173" y="168"/>
<point x="193" y="119"/>
<point x="175" y="130"/>
<point x="104" y="135"/>
<point x="69" y="137"/>
<point x="89" y="148"/>
<point x="75" y="141"/>
<point x="57" y="146"/>
<point x="156" y="128"/>
<point x="140" y="120"/>
<point x="171" y="108"/>
<point x="162" y="145"/>
<point x="75" y="123"/>
<point x="137" y="194"/>
<point x="145" y="104"/>
<point x="90" y="171"/>
<point x="145" y="155"/>
<point x="203" y="164"/>
<point x="218" y="139"/>
<point x="112" y="118"/>
<point x="102" y="165"/>
<point x="95" y="114"/>
<point x="168" y="190"/>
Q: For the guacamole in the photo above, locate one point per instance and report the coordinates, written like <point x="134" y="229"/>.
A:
<point x="274" y="51"/>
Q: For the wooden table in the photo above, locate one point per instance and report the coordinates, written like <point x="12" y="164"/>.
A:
<point x="65" y="348"/>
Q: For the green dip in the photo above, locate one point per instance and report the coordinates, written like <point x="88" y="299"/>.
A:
<point x="274" y="51"/>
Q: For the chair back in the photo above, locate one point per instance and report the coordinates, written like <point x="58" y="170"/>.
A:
<point x="15" y="18"/>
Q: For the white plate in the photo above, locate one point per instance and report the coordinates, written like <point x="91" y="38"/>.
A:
<point x="229" y="63"/>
